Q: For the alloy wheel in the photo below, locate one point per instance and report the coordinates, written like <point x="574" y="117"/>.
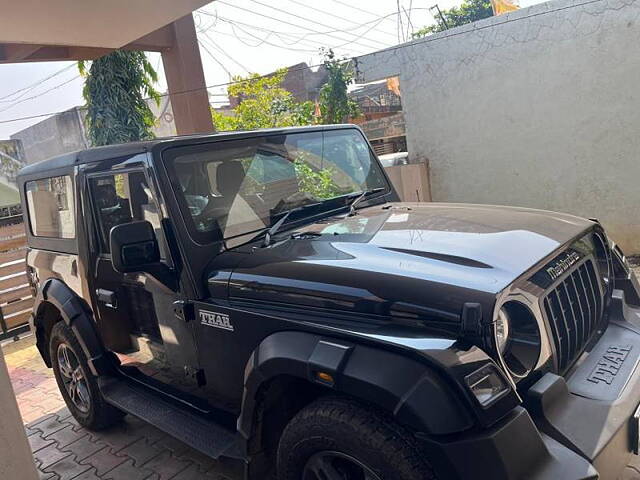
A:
<point x="73" y="378"/>
<point x="336" y="466"/>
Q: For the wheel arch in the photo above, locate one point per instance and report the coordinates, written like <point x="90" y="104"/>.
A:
<point x="56" y="301"/>
<point x="393" y="382"/>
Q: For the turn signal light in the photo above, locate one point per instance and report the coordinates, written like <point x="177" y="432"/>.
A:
<point x="325" y="377"/>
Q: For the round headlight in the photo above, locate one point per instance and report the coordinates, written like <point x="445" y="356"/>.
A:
<point x="502" y="330"/>
<point x="517" y="338"/>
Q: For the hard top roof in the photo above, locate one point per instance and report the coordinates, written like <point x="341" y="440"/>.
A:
<point x="97" y="154"/>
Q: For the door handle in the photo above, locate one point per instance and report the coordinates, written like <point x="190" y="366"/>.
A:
<point x="108" y="297"/>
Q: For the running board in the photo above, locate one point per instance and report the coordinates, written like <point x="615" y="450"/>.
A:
<point x="202" y="434"/>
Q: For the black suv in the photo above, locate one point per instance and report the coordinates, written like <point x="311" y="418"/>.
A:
<point x="263" y="297"/>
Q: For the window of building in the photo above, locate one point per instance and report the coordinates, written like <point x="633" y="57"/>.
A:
<point x="50" y="204"/>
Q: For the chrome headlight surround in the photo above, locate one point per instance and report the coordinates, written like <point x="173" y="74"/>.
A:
<point x="517" y="338"/>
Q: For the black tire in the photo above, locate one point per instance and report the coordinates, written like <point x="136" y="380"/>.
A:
<point x="383" y="449"/>
<point x="84" y="399"/>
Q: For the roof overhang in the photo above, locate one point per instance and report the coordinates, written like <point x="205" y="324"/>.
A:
<point x="33" y="30"/>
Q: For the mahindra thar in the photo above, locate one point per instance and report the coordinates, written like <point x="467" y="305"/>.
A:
<point x="263" y="297"/>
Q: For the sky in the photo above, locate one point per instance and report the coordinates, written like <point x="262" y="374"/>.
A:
<point x="236" y="37"/>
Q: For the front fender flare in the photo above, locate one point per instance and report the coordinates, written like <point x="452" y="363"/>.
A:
<point x="407" y="389"/>
<point x="78" y="316"/>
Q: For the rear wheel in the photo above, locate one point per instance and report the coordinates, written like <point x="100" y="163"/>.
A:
<point x="339" y="439"/>
<point x="78" y="386"/>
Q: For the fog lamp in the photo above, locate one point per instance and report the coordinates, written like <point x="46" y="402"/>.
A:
<point x="487" y="385"/>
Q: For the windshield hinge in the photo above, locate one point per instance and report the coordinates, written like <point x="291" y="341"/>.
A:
<point x="184" y="310"/>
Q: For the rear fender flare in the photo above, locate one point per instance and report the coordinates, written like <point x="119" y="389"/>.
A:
<point x="77" y="315"/>
<point x="399" y="385"/>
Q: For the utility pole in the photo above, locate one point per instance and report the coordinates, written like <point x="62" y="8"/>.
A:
<point x="437" y="8"/>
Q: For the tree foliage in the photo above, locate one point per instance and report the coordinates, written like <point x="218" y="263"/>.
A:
<point x="115" y="89"/>
<point x="263" y="104"/>
<point x="318" y="183"/>
<point x="334" y="101"/>
<point x="468" y="11"/>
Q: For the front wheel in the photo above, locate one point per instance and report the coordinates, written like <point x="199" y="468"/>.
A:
<point x="78" y="386"/>
<point x="339" y="439"/>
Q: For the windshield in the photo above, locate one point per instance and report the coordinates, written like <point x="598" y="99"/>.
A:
<point x="232" y="188"/>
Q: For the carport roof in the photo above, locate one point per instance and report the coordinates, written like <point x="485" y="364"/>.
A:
<point x="33" y="30"/>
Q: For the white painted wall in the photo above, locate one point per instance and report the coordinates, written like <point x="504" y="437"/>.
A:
<point x="539" y="108"/>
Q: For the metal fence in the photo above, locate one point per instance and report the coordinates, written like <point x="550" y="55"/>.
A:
<point x="16" y="299"/>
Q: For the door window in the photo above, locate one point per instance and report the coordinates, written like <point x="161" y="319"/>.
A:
<point x="122" y="198"/>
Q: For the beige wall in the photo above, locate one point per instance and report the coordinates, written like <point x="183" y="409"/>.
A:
<point x="16" y="461"/>
<point x="539" y="108"/>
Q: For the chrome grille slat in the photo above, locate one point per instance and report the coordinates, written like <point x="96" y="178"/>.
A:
<point x="587" y="300"/>
<point x="584" y="331"/>
<point x="577" y="309"/>
<point x="573" y="308"/>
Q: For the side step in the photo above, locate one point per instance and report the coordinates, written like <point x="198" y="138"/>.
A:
<point x="202" y="434"/>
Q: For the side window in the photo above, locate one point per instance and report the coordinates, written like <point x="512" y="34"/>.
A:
<point x="122" y="198"/>
<point x="50" y="205"/>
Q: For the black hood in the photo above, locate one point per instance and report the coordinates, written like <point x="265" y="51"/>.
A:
<point x="415" y="261"/>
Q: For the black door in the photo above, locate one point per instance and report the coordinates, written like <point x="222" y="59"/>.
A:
<point x="135" y="313"/>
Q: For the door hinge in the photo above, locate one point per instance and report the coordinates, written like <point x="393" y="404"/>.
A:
<point x="184" y="310"/>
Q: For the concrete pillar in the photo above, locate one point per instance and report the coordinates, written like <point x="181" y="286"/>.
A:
<point x="16" y="461"/>
<point x="185" y="79"/>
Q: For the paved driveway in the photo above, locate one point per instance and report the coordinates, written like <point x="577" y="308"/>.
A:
<point x="63" y="450"/>
<point x="131" y="451"/>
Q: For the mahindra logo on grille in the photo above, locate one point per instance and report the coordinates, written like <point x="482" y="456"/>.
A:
<point x="610" y="364"/>
<point x="562" y="265"/>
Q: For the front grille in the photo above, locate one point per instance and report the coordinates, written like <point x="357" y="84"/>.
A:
<point x="574" y="310"/>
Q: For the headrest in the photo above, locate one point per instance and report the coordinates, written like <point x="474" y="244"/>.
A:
<point x="229" y="177"/>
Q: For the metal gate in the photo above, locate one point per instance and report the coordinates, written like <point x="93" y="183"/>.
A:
<point x="16" y="299"/>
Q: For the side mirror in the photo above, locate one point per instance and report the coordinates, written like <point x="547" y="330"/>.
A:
<point x="134" y="247"/>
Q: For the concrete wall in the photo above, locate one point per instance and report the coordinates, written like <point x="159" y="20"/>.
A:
<point x="540" y="108"/>
<point x="66" y="132"/>
<point x="59" y="134"/>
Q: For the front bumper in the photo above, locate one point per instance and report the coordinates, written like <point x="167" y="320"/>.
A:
<point x="577" y="427"/>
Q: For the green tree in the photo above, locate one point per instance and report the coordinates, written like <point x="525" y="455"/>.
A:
<point x="468" y="11"/>
<point x="318" y="183"/>
<point x="335" y="104"/>
<point x="263" y="104"/>
<point x="115" y="89"/>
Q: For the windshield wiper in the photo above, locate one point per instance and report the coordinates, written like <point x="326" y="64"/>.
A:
<point x="362" y="196"/>
<point x="273" y="229"/>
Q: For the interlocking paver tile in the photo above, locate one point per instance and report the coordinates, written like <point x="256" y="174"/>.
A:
<point x="203" y="462"/>
<point x="140" y="452"/>
<point x="49" y="455"/>
<point x="67" y="468"/>
<point x="193" y="473"/>
<point x="174" y="445"/>
<point x="83" y="448"/>
<point x="65" y="436"/>
<point x="50" y="425"/>
<point x="103" y="461"/>
<point x="120" y="435"/>
<point x="46" y="476"/>
<point x="166" y="466"/>
<point x="126" y="471"/>
<point x="88" y="475"/>
<point x="37" y="442"/>
<point x="32" y="425"/>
